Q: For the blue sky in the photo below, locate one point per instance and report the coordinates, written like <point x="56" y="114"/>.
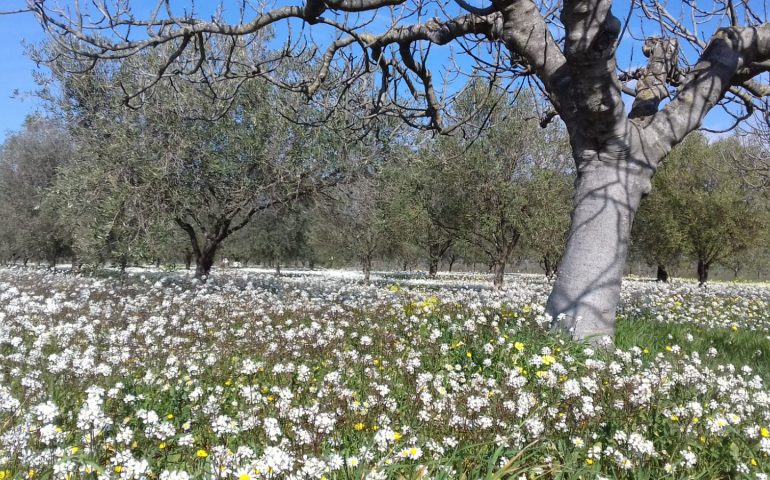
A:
<point x="16" y="70"/>
<point x="16" y="73"/>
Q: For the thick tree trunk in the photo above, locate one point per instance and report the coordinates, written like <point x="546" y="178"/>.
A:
<point x="433" y="267"/>
<point x="436" y="251"/>
<point x="205" y="260"/>
<point x="549" y="266"/>
<point x="703" y="272"/>
<point x="452" y="260"/>
<point x="499" y="271"/>
<point x="662" y="275"/>
<point x="608" y="190"/>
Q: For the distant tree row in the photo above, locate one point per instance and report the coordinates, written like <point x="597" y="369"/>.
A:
<point x="184" y="179"/>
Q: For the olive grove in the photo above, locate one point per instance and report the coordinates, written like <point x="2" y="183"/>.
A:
<point x="578" y="54"/>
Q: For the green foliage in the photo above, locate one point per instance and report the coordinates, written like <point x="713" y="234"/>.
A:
<point x="30" y="163"/>
<point x="511" y="183"/>
<point x="700" y="207"/>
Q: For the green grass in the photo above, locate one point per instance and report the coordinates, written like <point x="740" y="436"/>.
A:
<point x="738" y="347"/>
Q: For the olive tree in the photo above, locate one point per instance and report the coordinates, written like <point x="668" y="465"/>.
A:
<point x="706" y="210"/>
<point x="413" y="204"/>
<point x="353" y="220"/>
<point x="568" y="50"/>
<point x="656" y="235"/>
<point x="179" y="159"/>
<point x="276" y="237"/>
<point x="494" y="189"/>
<point x="548" y="197"/>
<point x="30" y="161"/>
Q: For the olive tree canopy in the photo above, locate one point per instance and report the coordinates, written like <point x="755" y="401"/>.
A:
<point x="704" y="55"/>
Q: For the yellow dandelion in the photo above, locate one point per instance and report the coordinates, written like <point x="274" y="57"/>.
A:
<point x="201" y="453"/>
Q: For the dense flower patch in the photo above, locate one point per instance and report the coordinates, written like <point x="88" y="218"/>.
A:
<point x="309" y="376"/>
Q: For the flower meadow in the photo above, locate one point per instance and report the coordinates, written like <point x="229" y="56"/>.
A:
<point x="252" y="376"/>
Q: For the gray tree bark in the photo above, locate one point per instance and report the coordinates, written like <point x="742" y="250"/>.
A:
<point x="607" y="194"/>
<point x="499" y="274"/>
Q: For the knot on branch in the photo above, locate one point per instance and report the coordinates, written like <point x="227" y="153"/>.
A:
<point x="665" y="49"/>
<point x="592" y="30"/>
<point x="651" y="85"/>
